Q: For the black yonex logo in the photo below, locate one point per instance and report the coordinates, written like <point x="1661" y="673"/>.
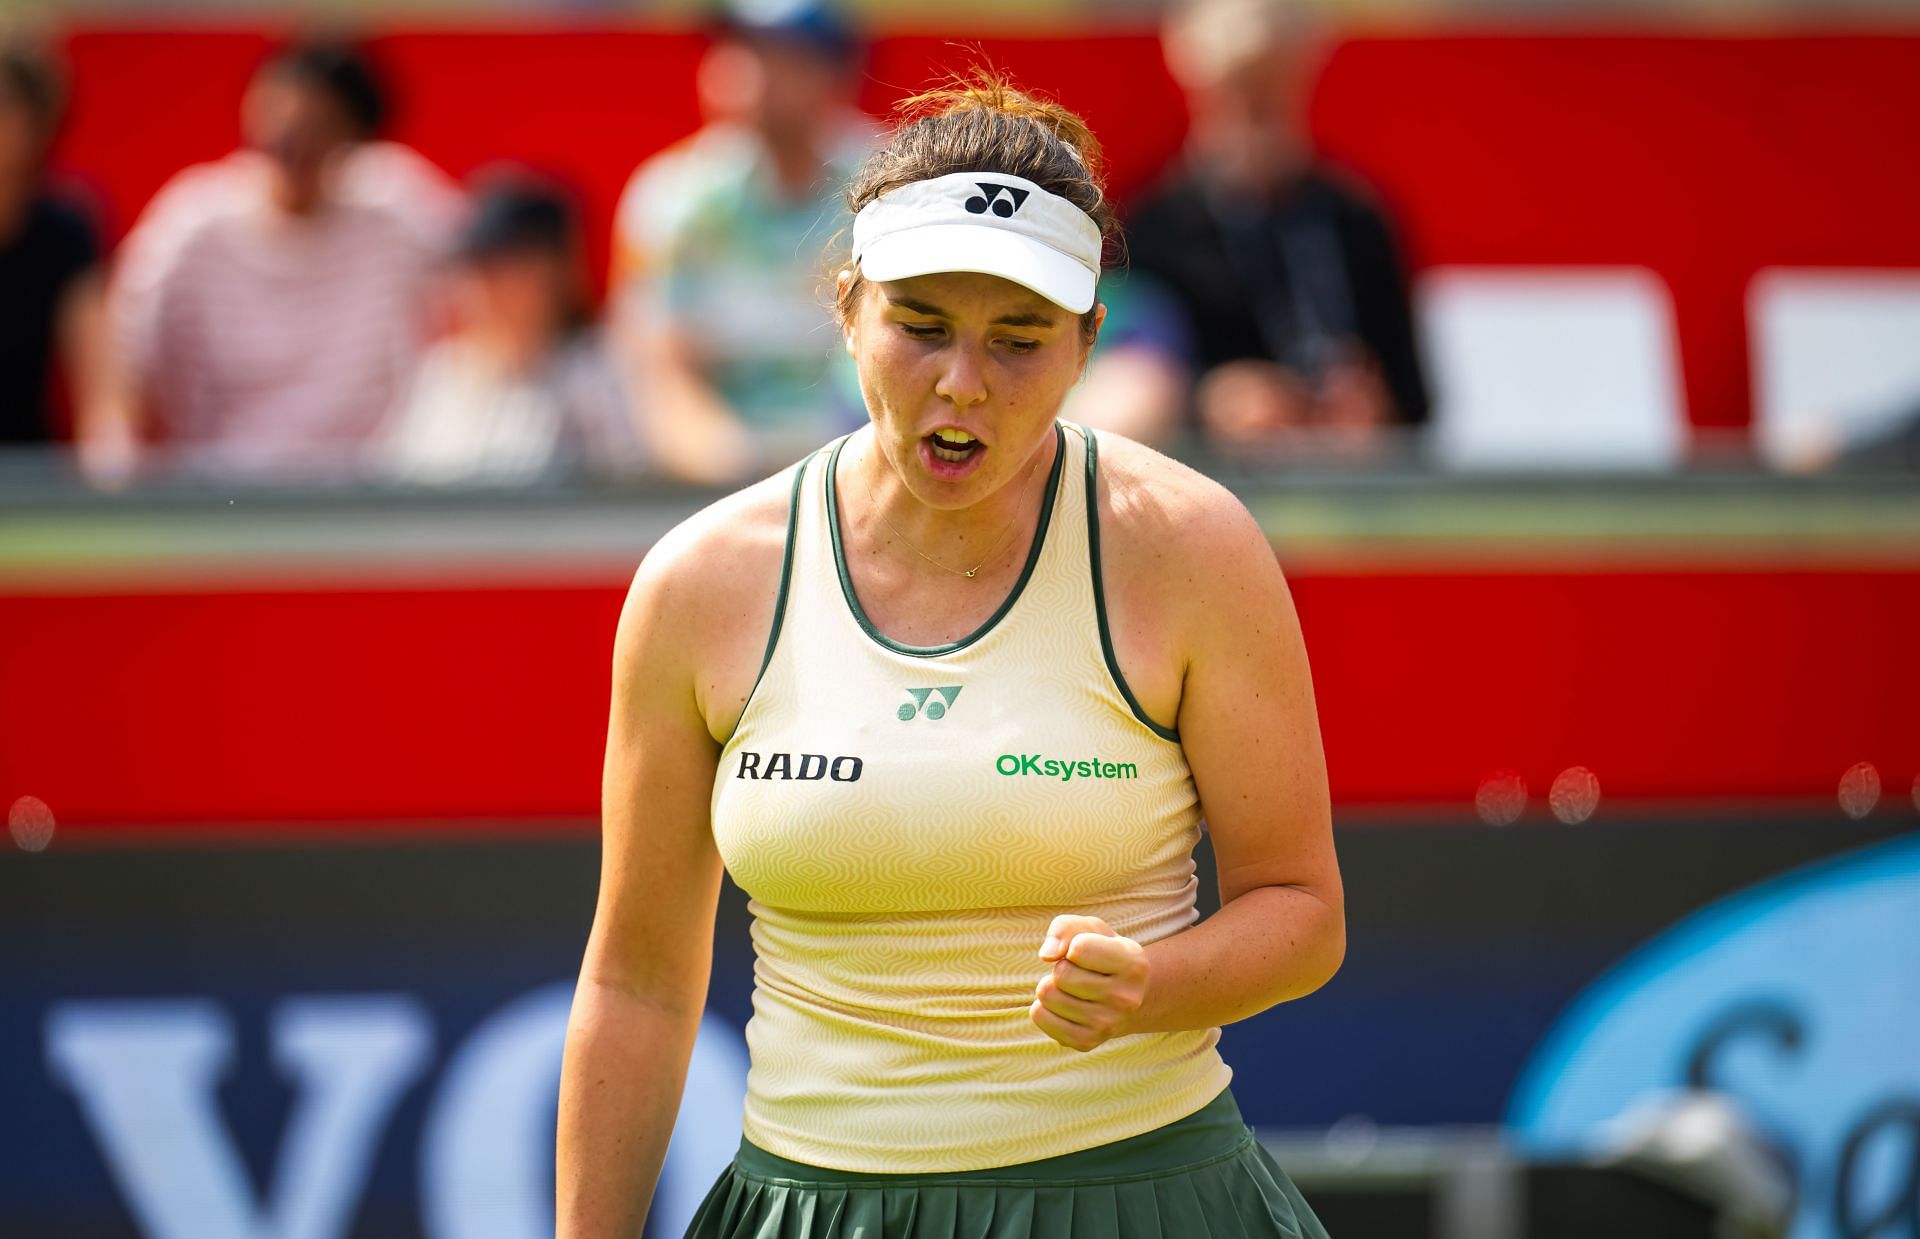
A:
<point x="810" y="768"/>
<point x="1002" y="200"/>
<point x="935" y="710"/>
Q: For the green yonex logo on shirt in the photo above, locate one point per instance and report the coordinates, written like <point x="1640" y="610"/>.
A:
<point x="1063" y="768"/>
<point x="935" y="710"/>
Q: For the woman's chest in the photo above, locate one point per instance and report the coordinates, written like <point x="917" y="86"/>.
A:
<point x="911" y="786"/>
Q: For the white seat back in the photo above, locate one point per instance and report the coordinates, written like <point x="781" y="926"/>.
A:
<point x="1552" y="368"/>
<point x="1835" y="358"/>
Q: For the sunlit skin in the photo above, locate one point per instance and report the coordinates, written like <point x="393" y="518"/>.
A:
<point x="960" y="351"/>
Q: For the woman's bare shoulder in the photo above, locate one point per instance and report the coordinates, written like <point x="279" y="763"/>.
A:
<point x="727" y="545"/>
<point x="1173" y="546"/>
<point x="703" y="597"/>
<point x="1156" y="506"/>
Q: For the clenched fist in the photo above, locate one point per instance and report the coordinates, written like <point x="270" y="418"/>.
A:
<point x="1097" y="983"/>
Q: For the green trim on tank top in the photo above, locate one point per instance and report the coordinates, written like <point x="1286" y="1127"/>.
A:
<point x="1019" y="586"/>
<point x="786" y="582"/>
<point x="1100" y="591"/>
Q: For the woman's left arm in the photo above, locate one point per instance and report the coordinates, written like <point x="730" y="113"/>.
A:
<point x="1252" y="736"/>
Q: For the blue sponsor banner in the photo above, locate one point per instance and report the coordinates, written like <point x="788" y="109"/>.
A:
<point x="421" y="1103"/>
<point x="363" y="1040"/>
<point x="1800" y="999"/>
<point x="360" y="1040"/>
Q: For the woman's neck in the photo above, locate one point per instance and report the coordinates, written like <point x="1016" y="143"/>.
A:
<point x="958" y="539"/>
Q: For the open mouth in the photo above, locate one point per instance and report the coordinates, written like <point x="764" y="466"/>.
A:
<point x="954" y="446"/>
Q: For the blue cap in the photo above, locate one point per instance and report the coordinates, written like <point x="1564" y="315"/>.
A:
<point x="815" y="25"/>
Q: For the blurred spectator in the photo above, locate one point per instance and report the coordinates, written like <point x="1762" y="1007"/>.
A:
<point x="268" y="306"/>
<point x="1137" y="379"/>
<point x="50" y="285"/>
<point x="1301" y="320"/>
<point x="718" y="277"/>
<point x="523" y="390"/>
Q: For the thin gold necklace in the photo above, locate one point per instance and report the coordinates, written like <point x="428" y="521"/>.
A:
<point x="999" y="546"/>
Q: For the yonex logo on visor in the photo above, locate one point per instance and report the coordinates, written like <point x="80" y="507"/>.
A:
<point x="1002" y="200"/>
<point x="985" y="222"/>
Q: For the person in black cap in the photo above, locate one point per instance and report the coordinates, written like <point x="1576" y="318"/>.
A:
<point x="523" y="390"/>
<point x="716" y="279"/>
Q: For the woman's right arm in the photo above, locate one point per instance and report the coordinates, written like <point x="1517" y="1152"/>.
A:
<point x="643" y="982"/>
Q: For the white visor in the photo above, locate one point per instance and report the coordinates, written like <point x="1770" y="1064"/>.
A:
<point x="985" y="222"/>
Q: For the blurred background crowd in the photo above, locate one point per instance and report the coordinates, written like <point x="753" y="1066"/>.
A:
<point x="353" y="353"/>
<point x="325" y="305"/>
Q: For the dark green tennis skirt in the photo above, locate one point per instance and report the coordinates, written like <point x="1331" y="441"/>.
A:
<point x="1203" y="1177"/>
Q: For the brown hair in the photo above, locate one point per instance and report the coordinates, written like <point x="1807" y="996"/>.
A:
<point x="981" y="123"/>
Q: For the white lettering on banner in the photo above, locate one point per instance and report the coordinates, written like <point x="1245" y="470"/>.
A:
<point x="706" y="1133"/>
<point x="145" y="1074"/>
<point x="486" y="1156"/>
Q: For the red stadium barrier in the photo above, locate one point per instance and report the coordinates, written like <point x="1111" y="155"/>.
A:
<point x="314" y="704"/>
<point x="1701" y="158"/>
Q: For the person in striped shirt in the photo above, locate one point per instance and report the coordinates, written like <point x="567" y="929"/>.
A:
<point x="268" y="307"/>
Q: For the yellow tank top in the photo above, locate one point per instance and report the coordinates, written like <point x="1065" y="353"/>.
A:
<point x="908" y="820"/>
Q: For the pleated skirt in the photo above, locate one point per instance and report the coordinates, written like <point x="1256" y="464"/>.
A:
<point x="1202" y="1177"/>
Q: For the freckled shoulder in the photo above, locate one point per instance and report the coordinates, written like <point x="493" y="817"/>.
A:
<point x="1155" y="509"/>
<point x="719" y="547"/>
<point x="1179" y="553"/>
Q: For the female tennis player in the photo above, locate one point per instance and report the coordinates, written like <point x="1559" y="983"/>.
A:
<point x="949" y="699"/>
